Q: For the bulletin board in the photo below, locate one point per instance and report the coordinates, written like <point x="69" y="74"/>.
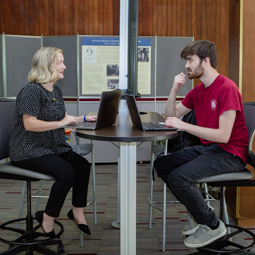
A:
<point x="158" y="63"/>
<point x="19" y="54"/>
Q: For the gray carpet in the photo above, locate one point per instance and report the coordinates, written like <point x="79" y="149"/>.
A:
<point x="105" y="239"/>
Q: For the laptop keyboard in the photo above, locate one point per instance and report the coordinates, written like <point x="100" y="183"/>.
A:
<point x="151" y="125"/>
<point x="89" y="125"/>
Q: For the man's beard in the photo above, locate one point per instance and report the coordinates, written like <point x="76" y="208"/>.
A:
<point x="197" y="73"/>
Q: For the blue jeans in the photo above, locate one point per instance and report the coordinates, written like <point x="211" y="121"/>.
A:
<point x="180" y="170"/>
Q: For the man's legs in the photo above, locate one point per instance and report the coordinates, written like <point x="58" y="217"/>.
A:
<point x="164" y="165"/>
<point x="181" y="169"/>
<point x="213" y="160"/>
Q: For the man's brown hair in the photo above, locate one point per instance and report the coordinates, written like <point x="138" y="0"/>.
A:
<point x="203" y="49"/>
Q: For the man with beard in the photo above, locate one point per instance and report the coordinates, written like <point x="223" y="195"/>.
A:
<point x="222" y="130"/>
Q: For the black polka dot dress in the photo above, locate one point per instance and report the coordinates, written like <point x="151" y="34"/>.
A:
<point x="36" y="101"/>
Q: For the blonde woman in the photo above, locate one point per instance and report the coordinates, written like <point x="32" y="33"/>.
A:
<point x="38" y="139"/>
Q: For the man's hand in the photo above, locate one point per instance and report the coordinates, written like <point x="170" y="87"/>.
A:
<point x="179" y="81"/>
<point x="174" y="122"/>
<point x="171" y="110"/>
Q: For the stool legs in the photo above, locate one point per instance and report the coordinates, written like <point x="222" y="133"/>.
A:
<point x="29" y="240"/>
<point x="151" y="187"/>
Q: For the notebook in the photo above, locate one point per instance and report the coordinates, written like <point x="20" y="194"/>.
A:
<point x="136" y="118"/>
<point x="107" y="112"/>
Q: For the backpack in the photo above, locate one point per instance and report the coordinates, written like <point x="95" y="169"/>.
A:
<point x="184" y="139"/>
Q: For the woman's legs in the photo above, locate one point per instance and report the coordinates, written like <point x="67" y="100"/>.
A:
<point x="80" y="187"/>
<point x="69" y="170"/>
<point x="81" y="182"/>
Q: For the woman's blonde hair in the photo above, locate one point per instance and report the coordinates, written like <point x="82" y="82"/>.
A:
<point x="43" y="70"/>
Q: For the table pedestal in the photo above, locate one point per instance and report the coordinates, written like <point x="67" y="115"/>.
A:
<point x="128" y="198"/>
<point x="127" y="135"/>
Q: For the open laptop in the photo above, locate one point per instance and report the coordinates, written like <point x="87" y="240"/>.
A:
<point x="136" y="118"/>
<point x="107" y="112"/>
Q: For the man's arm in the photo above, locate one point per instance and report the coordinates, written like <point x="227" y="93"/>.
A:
<point x="171" y="110"/>
<point x="219" y="135"/>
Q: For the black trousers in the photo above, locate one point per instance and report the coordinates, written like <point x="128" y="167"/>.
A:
<point x="70" y="170"/>
<point x="180" y="169"/>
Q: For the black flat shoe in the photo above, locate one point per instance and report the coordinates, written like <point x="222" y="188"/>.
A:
<point x="84" y="228"/>
<point x="39" y="218"/>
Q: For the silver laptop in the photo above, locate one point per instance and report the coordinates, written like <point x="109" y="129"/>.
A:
<point x="107" y="112"/>
<point x="136" y="118"/>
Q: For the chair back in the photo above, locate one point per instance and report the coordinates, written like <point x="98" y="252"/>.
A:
<point x="249" y="113"/>
<point x="7" y="121"/>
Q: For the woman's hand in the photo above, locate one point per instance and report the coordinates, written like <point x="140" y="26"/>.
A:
<point x="69" y="120"/>
<point x="78" y="119"/>
<point x="91" y="118"/>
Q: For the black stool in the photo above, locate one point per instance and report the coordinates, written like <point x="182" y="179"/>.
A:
<point x="28" y="239"/>
<point x="228" y="244"/>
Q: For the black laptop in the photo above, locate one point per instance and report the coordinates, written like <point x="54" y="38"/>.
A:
<point x="107" y="112"/>
<point x="136" y="118"/>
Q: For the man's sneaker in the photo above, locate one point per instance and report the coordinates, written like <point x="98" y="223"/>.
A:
<point x="205" y="235"/>
<point x="190" y="227"/>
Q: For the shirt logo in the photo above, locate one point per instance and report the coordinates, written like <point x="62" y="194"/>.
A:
<point x="213" y="104"/>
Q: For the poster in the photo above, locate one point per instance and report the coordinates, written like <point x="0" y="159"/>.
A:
<point x="100" y="65"/>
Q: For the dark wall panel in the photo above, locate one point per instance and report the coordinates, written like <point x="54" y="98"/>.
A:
<point x="19" y="55"/>
<point x="1" y="69"/>
<point x="201" y="19"/>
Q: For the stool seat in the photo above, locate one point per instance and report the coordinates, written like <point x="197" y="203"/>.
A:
<point x="233" y="176"/>
<point x="83" y="149"/>
<point x="17" y="173"/>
